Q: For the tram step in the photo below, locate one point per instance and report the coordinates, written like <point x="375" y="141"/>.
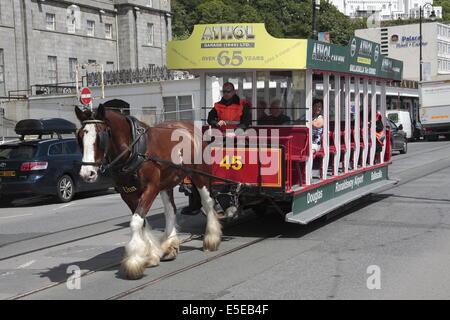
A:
<point x="322" y="209"/>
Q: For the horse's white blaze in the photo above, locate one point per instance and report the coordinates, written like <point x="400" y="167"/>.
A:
<point x="213" y="231"/>
<point x="88" y="150"/>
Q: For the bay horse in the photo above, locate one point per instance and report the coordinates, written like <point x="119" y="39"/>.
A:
<point x="106" y="139"/>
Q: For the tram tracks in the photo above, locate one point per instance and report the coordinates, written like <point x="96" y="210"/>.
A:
<point x="146" y="284"/>
<point x="90" y="235"/>
<point x="157" y="279"/>
<point x="83" y="274"/>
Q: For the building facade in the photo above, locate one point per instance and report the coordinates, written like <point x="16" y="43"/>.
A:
<point x="41" y="41"/>
<point x="386" y="9"/>
<point x="403" y="42"/>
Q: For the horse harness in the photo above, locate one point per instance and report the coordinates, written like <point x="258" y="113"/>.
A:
<point x="138" y="156"/>
<point x="137" y="148"/>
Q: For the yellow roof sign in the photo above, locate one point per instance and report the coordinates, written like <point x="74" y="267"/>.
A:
<point x="229" y="46"/>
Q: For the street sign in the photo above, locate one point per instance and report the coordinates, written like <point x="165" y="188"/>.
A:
<point x="86" y="96"/>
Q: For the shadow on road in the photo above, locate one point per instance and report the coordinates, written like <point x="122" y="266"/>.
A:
<point x="254" y="226"/>
<point x="60" y="273"/>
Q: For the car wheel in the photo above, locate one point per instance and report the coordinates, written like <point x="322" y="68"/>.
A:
<point x="404" y="148"/>
<point x="65" y="189"/>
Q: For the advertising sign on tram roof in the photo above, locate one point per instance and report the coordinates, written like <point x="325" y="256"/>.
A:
<point x="361" y="57"/>
<point x="229" y="46"/>
<point x="250" y="46"/>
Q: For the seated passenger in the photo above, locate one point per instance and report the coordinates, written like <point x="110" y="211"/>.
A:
<point x="276" y="116"/>
<point x="261" y="111"/>
<point x="317" y="124"/>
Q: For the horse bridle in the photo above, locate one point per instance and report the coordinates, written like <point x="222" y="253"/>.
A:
<point x="104" y="138"/>
<point x="103" y="141"/>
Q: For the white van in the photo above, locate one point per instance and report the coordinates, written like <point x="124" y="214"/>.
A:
<point x="401" y="118"/>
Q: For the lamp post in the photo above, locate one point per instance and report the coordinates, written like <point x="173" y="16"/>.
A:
<point x="315" y="7"/>
<point x="432" y="16"/>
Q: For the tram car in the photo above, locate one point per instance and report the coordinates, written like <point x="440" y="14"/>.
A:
<point x="273" y="163"/>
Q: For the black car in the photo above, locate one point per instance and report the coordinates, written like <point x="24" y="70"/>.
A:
<point x="43" y="166"/>
<point x="418" y="130"/>
<point x="399" y="142"/>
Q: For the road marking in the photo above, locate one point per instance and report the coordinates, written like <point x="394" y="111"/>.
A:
<point x="29" y="263"/>
<point x="20" y="215"/>
<point x="66" y="205"/>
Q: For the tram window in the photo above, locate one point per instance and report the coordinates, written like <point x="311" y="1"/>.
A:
<point x="332" y="97"/>
<point x="243" y="84"/>
<point x="281" y="97"/>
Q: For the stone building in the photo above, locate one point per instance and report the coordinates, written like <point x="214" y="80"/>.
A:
<point x="41" y="41"/>
<point x="387" y="9"/>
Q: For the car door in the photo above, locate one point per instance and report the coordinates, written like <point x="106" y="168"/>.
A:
<point x="73" y="156"/>
<point x="397" y="139"/>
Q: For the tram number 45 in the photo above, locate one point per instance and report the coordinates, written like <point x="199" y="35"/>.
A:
<point x="225" y="58"/>
<point x="235" y="164"/>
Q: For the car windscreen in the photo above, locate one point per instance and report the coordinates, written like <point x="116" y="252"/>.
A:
<point x="17" y="152"/>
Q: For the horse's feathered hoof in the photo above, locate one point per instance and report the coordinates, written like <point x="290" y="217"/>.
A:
<point x="211" y="243"/>
<point x="133" y="267"/>
<point x="152" y="261"/>
<point x="170" y="249"/>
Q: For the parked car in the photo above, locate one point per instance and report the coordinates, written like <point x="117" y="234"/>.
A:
<point x="45" y="166"/>
<point x="399" y="142"/>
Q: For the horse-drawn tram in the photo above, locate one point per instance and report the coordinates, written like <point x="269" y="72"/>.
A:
<point x="286" y="159"/>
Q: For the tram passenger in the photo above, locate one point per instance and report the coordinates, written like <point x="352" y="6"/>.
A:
<point x="261" y="111"/>
<point x="379" y="132"/>
<point x="317" y="124"/>
<point x="276" y="116"/>
<point x="230" y="112"/>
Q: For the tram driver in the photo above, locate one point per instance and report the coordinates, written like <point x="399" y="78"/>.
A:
<point x="230" y="112"/>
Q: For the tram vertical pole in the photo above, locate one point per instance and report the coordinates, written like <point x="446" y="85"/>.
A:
<point x="337" y="123"/>
<point x="254" y="98"/>
<point x="308" y="103"/>
<point x="325" y="134"/>
<point x="364" y="121"/>
<point x="202" y="112"/>
<point x="356" y="129"/>
<point x="383" y="115"/>
<point x="347" y="124"/>
<point x="373" y="110"/>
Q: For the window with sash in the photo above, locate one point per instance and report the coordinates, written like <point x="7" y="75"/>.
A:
<point x="50" y="21"/>
<point x="108" y="31"/>
<point x="52" y="70"/>
<point x="150" y="34"/>
<point x="178" y="108"/>
<point x="91" y="28"/>
<point x="72" y="68"/>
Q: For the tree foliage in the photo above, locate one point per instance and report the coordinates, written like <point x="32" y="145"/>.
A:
<point x="445" y="4"/>
<point x="283" y="18"/>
